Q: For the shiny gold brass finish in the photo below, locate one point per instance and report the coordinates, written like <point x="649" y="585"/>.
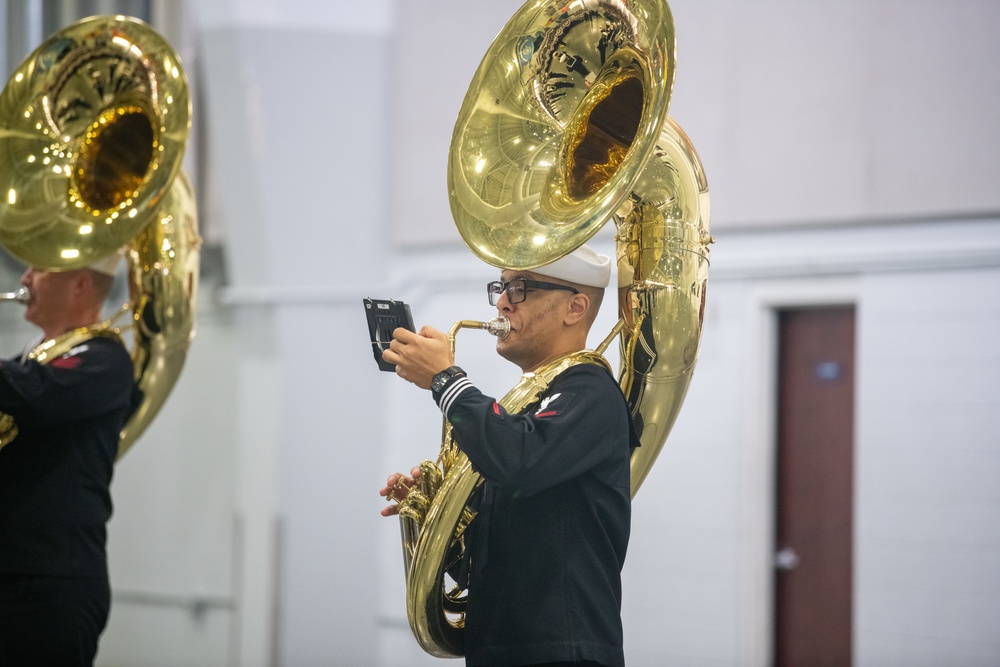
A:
<point x="163" y="269"/>
<point x="93" y="127"/>
<point x="663" y="256"/>
<point x="558" y="123"/>
<point x="8" y="429"/>
<point x="564" y="128"/>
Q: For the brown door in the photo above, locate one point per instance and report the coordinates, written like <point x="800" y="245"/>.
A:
<point x="814" y="487"/>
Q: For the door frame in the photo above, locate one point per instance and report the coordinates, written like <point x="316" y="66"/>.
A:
<point x="759" y="491"/>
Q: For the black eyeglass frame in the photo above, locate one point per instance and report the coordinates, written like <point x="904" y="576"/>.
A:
<point x="496" y="288"/>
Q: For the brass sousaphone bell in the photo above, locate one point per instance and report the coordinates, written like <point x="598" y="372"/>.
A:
<point x="564" y="128"/>
<point x="93" y="127"/>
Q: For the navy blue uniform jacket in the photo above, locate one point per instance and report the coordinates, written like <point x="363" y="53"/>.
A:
<point x="548" y="544"/>
<point x="55" y="475"/>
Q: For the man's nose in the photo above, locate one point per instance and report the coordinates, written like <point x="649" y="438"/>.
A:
<point x="503" y="303"/>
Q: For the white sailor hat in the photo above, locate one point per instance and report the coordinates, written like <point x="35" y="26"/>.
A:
<point x="583" y="266"/>
<point x="107" y="265"/>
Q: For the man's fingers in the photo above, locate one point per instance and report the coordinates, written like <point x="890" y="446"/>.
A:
<point x="402" y="335"/>
<point x="397" y="486"/>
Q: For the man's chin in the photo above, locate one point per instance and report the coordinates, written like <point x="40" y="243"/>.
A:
<point x="503" y="348"/>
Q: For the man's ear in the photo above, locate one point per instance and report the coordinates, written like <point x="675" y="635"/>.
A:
<point x="577" y="308"/>
<point x="82" y="282"/>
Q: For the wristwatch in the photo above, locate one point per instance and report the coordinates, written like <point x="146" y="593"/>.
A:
<point x="441" y="380"/>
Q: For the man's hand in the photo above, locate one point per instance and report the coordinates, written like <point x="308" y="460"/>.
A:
<point x="419" y="356"/>
<point x="396" y="488"/>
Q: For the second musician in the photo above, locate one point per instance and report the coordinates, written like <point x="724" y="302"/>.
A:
<point x="55" y="475"/>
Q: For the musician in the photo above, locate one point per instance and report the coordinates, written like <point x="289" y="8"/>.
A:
<point x="547" y="546"/>
<point x="55" y="475"/>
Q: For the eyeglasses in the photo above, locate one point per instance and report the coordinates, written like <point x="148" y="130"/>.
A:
<point x="517" y="289"/>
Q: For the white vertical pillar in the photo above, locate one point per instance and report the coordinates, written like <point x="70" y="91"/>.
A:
<point x="298" y="130"/>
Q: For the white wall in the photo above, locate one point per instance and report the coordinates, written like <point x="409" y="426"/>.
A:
<point x="304" y="214"/>
<point x="928" y="457"/>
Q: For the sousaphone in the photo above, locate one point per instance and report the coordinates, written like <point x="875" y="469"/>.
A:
<point x="564" y="128"/>
<point x="93" y="127"/>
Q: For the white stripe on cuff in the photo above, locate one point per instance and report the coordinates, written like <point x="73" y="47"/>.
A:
<point x="451" y="392"/>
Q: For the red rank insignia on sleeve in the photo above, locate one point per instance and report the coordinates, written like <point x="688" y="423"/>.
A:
<point x="65" y="362"/>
